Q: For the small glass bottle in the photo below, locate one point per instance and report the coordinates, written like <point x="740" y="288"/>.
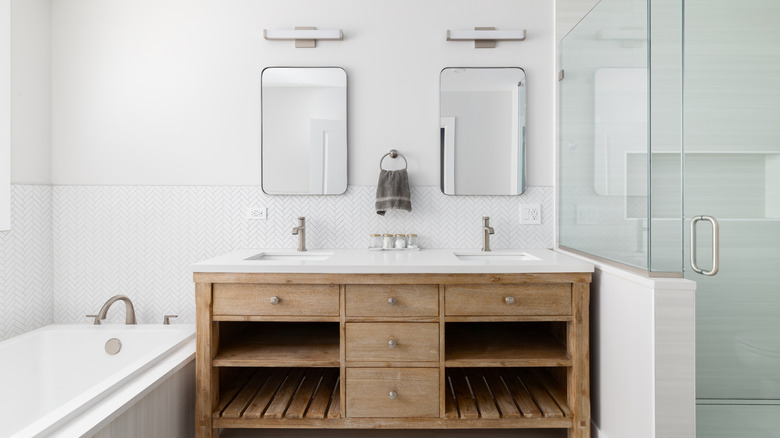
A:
<point x="411" y="241"/>
<point x="387" y="241"/>
<point x="376" y="241"/>
<point x="400" y="241"/>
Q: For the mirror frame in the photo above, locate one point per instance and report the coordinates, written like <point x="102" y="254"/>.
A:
<point x="522" y="146"/>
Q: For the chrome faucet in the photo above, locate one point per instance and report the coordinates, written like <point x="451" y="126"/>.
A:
<point x="129" y="310"/>
<point x="300" y="231"/>
<point x="487" y="230"/>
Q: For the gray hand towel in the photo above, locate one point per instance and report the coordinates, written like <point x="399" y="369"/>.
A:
<point x="392" y="191"/>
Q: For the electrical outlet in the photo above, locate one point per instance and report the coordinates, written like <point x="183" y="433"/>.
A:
<point x="256" y="213"/>
<point x="530" y="214"/>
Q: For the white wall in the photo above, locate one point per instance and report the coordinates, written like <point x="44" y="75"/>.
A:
<point x="5" y="115"/>
<point x="31" y="91"/>
<point x="167" y="92"/>
<point x="643" y="355"/>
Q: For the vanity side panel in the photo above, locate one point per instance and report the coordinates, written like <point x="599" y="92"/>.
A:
<point x="206" y="377"/>
<point x="578" y="381"/>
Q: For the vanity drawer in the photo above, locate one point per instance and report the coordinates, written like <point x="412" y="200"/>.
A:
<point x="276" y="299"/>
<point x="391" y="342"/>
<point x="507" y="299"/>
<point x="392" y="300"/>
<point x="392" y="392"/>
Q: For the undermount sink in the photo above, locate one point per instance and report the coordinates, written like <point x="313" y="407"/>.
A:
<point x="495" y="257"/>
<point x="291" y="256"/>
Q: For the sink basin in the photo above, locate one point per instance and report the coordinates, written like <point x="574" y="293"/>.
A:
<point x="290" y="256"/>
<point x="495" y="257"/>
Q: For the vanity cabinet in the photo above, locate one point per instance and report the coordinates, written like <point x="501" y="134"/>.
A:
<point x="404" y="351"/>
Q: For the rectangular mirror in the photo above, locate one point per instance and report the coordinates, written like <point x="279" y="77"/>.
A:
<point x="304" y="140"/>
<point x="482" y="133"/>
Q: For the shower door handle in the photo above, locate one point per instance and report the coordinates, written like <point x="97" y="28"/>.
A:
<point x="715" y="245"/>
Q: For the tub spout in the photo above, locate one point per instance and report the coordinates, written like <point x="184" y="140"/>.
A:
<point x="129" y="310"/>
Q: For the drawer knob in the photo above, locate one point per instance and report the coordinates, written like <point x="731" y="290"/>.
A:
<point x="392" y="301"/>
<point x="393" y="395"/>
<point x="509" y="300"/>
<point x="392" y="343"/>
<point x="274" y="300"/>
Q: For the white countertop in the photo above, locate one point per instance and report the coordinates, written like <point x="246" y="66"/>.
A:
<point x="364" y="261"/>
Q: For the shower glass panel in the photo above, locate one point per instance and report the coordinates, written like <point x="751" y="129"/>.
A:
<point x="732" y="172"/>
<point x="612" y="158"/>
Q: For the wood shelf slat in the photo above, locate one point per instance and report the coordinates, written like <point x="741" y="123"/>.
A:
<point x="503" y="398"/>
<point x="282" y="393"/>
<point x="503" y="345"/>
<point x="467" y="407"/>
<point x="304" y="395"/>
<point x="239" y="404"/>
<point x="321" y="400"/>
<point x="499" y="392"/>
<point x="281" y="344"/>
<point x="487" y="408"/>
<point x="334" y="411"/>
<point x="266" y="393"/>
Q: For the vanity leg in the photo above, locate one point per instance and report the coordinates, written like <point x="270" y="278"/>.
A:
<point x="206" y="377"/>
<point x="578" y="374"/>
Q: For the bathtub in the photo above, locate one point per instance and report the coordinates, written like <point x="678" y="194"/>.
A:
<point x="59" y="381"/>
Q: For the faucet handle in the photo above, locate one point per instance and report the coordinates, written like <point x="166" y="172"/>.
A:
<point x="97" y="319"/>
<point x="167" y="319"/>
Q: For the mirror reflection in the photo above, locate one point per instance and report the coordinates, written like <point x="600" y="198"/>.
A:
<point x="304" y="139"/>
<point x="482" y="135"/>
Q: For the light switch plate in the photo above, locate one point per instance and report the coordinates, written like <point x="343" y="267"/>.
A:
<point x="530" y="214"/>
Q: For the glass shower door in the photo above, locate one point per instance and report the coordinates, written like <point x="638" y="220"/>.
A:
<point x="732" y="172"/>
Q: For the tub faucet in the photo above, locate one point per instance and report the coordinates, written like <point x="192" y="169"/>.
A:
<point x="129" y="310"/>
<point x="487" y="230"/>
<point x="300" y="231"/>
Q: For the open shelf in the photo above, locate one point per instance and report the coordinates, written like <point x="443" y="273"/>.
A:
<point x="503" y="344"/>
<point x="279" y="393"/>
<point x="280" y="344"/>
<point x="493" y="393"/>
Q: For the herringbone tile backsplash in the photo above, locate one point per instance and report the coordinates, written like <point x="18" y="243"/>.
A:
<point x="26" y="291"/>
<point x="141" y="240"/>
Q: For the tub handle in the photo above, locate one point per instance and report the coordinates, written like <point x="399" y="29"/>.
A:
<point x="97" y="319"/>
<point x="167" y="319"/>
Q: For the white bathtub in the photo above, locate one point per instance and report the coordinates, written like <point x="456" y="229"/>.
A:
<point x="59" y="381"/>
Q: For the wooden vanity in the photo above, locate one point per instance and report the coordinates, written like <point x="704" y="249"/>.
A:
<point x="392" y="350"/>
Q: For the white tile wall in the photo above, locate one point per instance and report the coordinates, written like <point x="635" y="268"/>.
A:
<point x="140" y="240"/>
<point x="26" y="262"/>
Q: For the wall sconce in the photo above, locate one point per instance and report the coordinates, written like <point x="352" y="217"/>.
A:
<point x="305" y="37"/>
<point x="485" y="37"/>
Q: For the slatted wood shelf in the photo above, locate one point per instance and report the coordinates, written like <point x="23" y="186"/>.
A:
<point x="511" y="393"/>
<point x="281" y="345"/>
<point x="281" y="393"/>
<point x="503" y="344"/>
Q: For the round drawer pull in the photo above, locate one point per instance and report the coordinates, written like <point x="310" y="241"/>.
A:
<point x="392" y="301"/>
<point x="274" y="300"/>
<point x="392" y="343"/>
<point x="509" y="300"/>
<point x="393" y="395"/>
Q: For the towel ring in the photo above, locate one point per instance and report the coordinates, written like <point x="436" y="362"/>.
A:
<point x="393" y="154"/>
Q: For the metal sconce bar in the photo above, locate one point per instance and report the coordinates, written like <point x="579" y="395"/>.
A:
<point x="485" y="37"/>
<point x="305" y="37"/>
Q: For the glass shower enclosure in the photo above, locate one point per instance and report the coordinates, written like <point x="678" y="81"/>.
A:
<point x="670" y="112"/>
